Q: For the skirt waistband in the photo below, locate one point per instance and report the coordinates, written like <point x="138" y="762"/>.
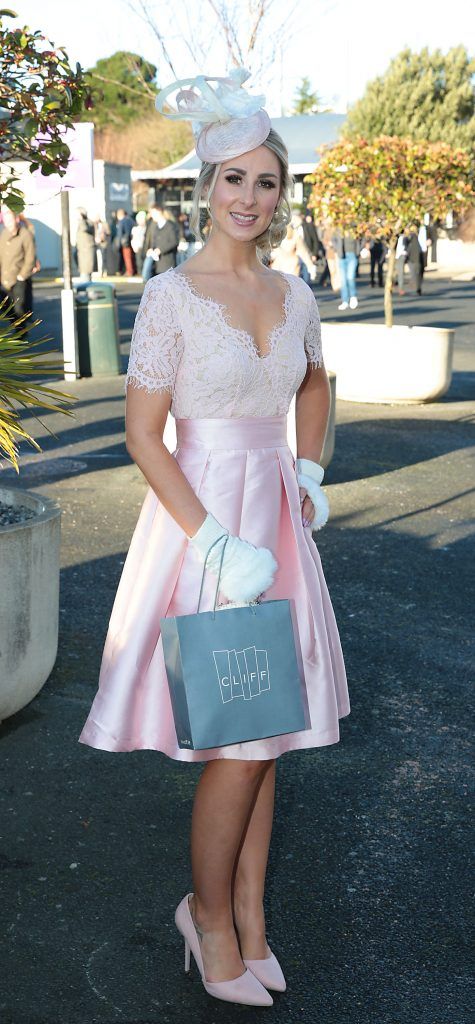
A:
<point x="232" y="432"/>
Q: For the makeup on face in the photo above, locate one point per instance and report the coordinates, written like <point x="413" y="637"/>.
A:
<point x="242" y="204"/>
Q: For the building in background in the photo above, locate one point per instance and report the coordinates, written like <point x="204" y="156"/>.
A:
<point x="302" y="134"/>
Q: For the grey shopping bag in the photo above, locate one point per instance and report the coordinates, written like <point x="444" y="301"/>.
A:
<point x="233" y="673"/>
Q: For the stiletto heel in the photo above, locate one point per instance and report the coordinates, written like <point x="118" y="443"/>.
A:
<point x="244" y="989"/>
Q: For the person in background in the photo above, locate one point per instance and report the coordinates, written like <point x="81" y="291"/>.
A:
<point x="292" y="255"/>
<point x="377" y="254"/>
<point x="184" y="239"/>
<point x="415" y="258"/>
<point x="423" y="242"/>
<point x="137" y="239"/>
<point x="160" y="244"/>
<point x="347" y="249"/>
<point x="169" y="216"/>
<point x="311" y="239"/>
<point x="329" y="273"/>
<point x="432" y="235"/>
<point x="115" y="263"/>
<point x="401" y="259"/>
<point x="102" y="241"/>
<point x="28" y="224"/>
<point x="17" y="262"/>
<point x="125" y="225"/>
<point x="85" y="245"/>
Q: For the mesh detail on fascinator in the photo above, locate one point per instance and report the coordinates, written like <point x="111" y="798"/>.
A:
<point x="226" y="120"/>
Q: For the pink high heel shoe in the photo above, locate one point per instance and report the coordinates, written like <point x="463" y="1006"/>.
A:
<point x="268" y="972"/>
<point x="244" y="989"/>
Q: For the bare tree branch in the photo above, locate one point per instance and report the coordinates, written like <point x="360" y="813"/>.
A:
<point x="230" y="36"/>
<point x="147" y="17"/>
<point x="261" y="11"/>
<point x="250" y="33"/>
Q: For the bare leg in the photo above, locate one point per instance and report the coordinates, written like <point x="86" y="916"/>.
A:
<point x="223" y="798"/>
<point x="250" y="871"/>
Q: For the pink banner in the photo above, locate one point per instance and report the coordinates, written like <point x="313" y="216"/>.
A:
<point x="79" y="174"/>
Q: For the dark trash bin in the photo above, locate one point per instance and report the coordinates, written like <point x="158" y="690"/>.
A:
<point x="98" y="329"/>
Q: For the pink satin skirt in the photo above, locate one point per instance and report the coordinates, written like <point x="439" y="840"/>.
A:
<point x="243" y="471"/>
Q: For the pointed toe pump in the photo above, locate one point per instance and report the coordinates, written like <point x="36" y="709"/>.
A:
<point x="268" y="972"/>
<point x="245" y="989"/>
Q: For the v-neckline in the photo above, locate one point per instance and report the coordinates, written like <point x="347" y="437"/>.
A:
<point x="224" y="311"/>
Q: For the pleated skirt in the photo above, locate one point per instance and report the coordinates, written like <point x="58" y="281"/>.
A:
<point x="243" y="472"/>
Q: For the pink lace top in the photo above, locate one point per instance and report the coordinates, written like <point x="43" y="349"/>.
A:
<point x="183" y="343"/>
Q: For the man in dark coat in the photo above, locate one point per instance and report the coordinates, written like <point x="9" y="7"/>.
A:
<point x="161" y="242"/>
<point x="17" y="262"/>
<point x="311" y="239"/>
<point x="377" y="251"/>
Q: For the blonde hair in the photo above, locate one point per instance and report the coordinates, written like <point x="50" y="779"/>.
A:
<point x="277" y="229"/>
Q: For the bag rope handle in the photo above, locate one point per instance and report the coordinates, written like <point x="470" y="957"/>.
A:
<point x="219" y="575"/>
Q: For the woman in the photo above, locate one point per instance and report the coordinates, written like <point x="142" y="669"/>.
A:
<point x="415" y="258"/>
<point x="347" y="249"/>
<point x="85" y="246"/>
<point x="102" y="242"/>
<point x="292" y="255"/>
<point x="224" y="343"/>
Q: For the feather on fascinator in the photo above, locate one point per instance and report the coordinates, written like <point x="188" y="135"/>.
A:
<point x="226" y="120"/>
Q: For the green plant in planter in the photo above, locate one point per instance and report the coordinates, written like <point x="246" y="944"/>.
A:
<point x="377" y="188"/>
<point x="20" y="363"/>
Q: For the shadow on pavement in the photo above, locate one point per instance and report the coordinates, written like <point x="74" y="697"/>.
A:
<point x="365" y="894"/>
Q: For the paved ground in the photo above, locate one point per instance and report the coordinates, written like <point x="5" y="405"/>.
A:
<point x="367" y="886"/>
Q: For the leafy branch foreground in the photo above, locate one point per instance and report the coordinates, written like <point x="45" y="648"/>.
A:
<point x="20" y="362"/>
<point x="40" y="96"/>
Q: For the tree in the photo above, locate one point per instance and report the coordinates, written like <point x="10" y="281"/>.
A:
<point x="249" y="35"/>
<point x="305" y="101"/>
<point x="40" y="96"/>
<point x="422" y="96"/>
<point x="124" y="90"/>
<point x="378" y="188"/>
<point x="127" y="127"/>
<point x="150" y="142"/>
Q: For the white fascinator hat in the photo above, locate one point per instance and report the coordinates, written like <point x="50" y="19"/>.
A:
<point x="226" y="120"/>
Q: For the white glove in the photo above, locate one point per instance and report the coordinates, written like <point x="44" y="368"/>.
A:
<point x="310" y="476"/>
<point x="246" y="572"/>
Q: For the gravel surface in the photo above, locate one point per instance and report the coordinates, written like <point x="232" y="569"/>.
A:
<point x="14" y="514"/>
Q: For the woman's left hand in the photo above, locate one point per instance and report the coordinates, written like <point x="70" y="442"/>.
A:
<point x="307" y="507"/>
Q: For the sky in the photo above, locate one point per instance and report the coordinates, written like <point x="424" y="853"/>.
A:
<point x="339" y="44"/>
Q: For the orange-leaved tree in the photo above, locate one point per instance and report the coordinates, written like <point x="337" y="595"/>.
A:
<point x="377" y="189"/>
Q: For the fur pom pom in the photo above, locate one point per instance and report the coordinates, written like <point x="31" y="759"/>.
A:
<point x="250" y="576"/>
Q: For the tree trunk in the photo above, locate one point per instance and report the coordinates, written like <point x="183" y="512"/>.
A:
<point x="388" y="297"/>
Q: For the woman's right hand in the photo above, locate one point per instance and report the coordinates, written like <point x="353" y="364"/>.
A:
<point x="246" y="571"/>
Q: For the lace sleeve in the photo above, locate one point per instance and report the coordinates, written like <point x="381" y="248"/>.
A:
<point x="157" y="340"/>
<point x="313" y="335"/>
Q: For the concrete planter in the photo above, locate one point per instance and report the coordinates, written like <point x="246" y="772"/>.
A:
<point x="329" y="442"/>
<point x="397" y="365"/>
<point x="29" y="599"/>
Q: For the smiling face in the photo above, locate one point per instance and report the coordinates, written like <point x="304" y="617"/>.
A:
<point x="246" y="194"/>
